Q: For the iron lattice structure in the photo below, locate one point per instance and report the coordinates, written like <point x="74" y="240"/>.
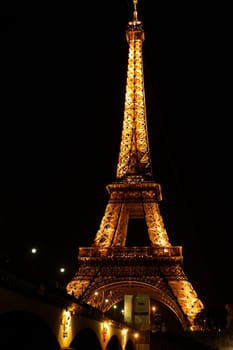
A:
<point x="109" y="269"/>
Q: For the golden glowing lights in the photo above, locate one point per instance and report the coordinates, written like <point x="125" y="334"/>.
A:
<point x="105" y="331"/>
<point x="134" y="157"/>
<point x="124" y="331"/>
<point x="66" y="322"/>
<point x="135" y="196"/>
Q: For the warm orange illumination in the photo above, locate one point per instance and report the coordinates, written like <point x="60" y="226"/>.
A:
<point x="66" y="320"/>
<point x="105" y="330"/>
<point x="124" y="331"/>
<point x="134" y="195"/>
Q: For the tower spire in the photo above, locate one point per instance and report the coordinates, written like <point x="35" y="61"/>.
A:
<point x="135" y="14"/>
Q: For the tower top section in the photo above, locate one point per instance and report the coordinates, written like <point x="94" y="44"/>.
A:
<point x="134" y="161"/>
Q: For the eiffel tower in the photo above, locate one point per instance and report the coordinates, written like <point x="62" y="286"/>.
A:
<point x="109" y="270"/>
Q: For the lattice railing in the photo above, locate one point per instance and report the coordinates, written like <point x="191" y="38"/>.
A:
<point x="175" y="251"/>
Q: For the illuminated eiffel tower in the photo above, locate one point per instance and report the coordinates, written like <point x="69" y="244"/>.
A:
<point x="110" y="269"/>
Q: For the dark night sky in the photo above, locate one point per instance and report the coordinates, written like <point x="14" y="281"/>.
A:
<point x="62" y="103"/>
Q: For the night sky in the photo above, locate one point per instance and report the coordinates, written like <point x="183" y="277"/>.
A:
<point x="62" y="102"/>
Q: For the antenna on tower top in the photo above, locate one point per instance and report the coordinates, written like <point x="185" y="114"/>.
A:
<point x="135" y="14"/>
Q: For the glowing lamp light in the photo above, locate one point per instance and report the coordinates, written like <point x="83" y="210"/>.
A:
<point x="33" y="250"/>
<point x="66" y="322"/>
<point x="105" y="331"/>
<point x="124" y="331"/>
